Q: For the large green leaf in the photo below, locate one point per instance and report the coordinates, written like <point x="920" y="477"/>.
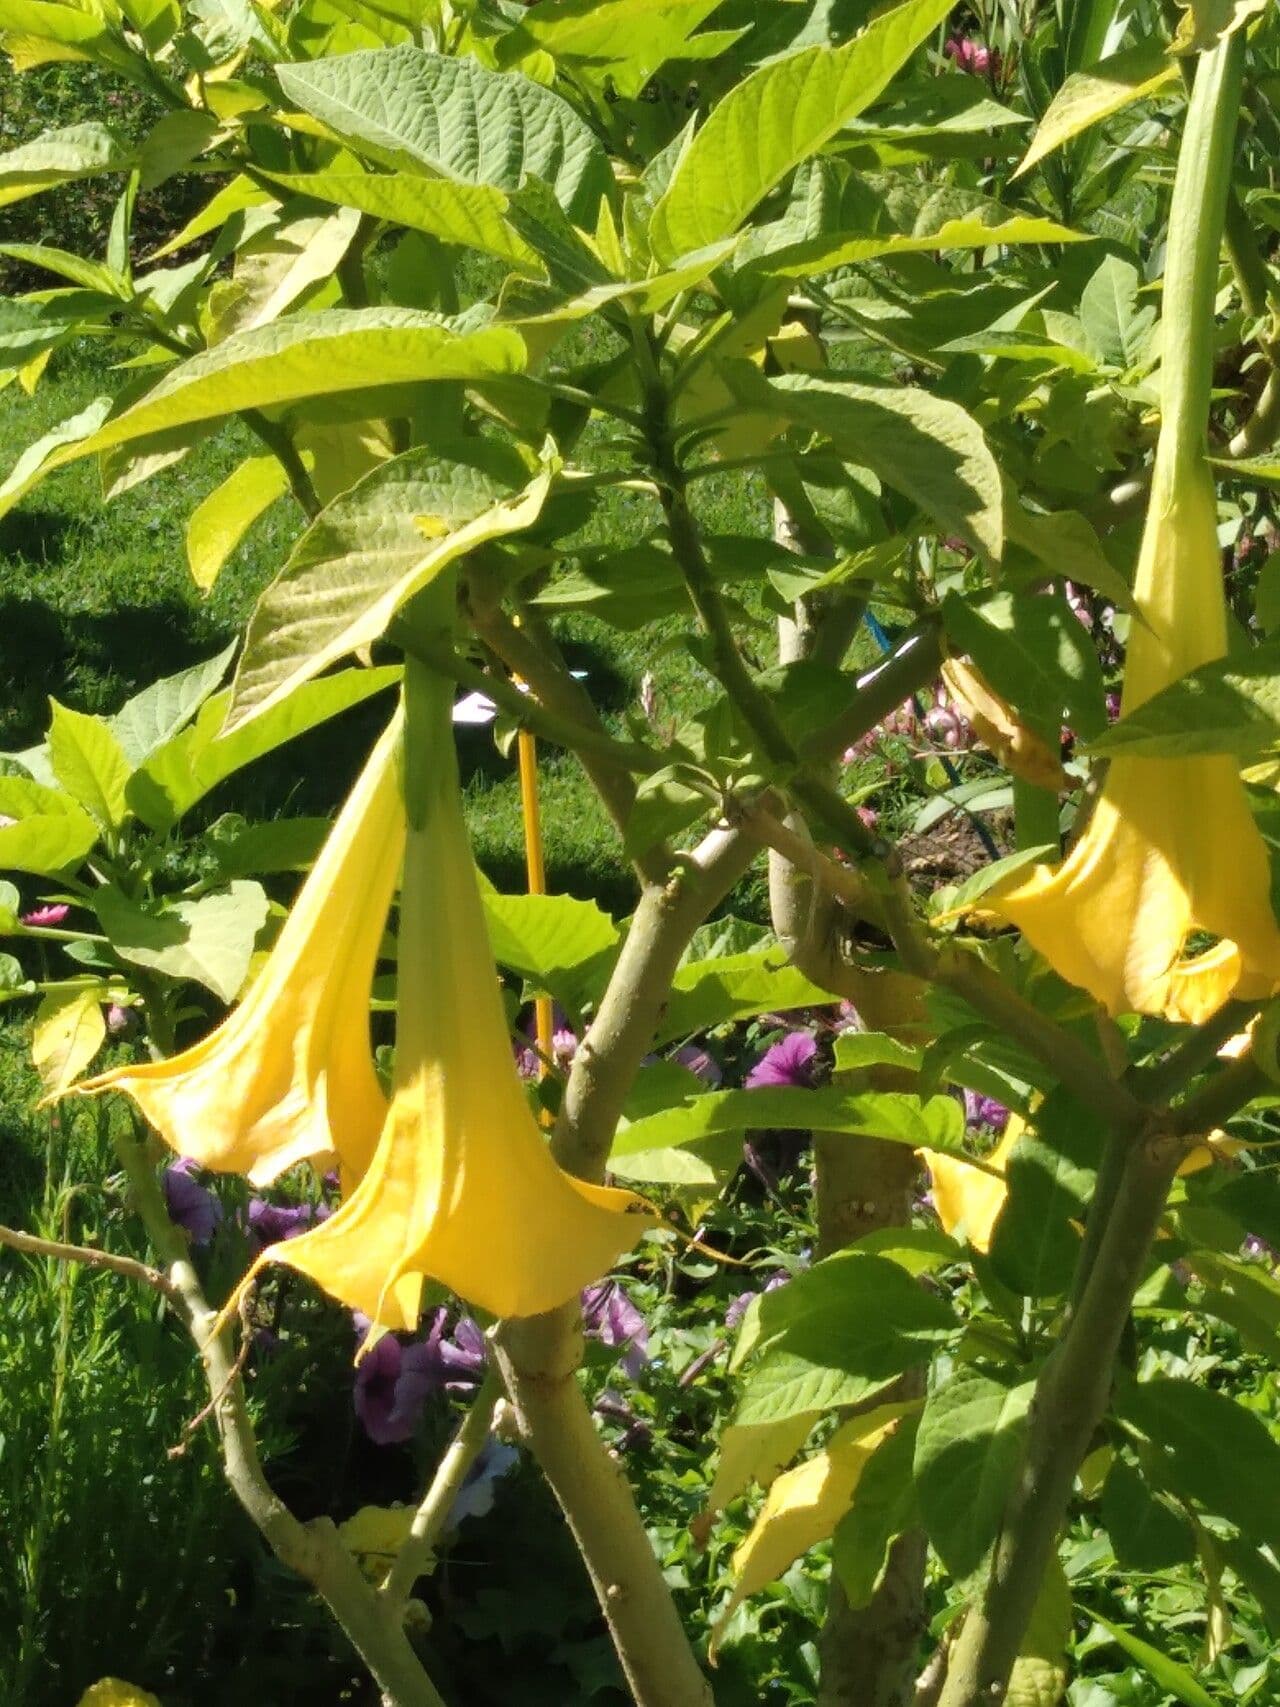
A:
<point x="1229" y="706"/>
<point x="782" y="114"/>
<point x="933" y="1122"/>
<point x="62" y="156"/>
<point x="884" y="1507"/>
<point x="472" y="215"/>
<point x="556" y="943"/>
<point x="968" y="1450"/>
<point x="209" y="940"/>
<point x="196" y="760"/>
<point x="1050" y="1174"/>
<point x="1203" y="1440"/>
<point x="305" y="355"/>
<point x="926" y="447"/>
<point x="451" y="118"/>
<point x="735" y="986"/>
<point x="843" y="249"/>
<point x="836" y="1335"/>
<point x="366" y="556"/>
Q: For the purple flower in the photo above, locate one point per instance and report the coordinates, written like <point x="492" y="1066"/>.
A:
<point x="698" y="1060"/>
<point x="460" y="1359"/>
<point x="986" y="1111"/>
<point x="393" y="1383"/>
<point x="737" y="1307"/>
<point x="191" y="1206"/>
<point x="609" y="1316"/>
<point x="564" y="1046"/>
<point x="788" y="1062"/>
<point x="272" y="1223"/>
<point x="53" y="914"/>
<point x="119" y="1019"/>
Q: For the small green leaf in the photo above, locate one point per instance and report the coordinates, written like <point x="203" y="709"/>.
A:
<point x="556" y="943"/>
<point x="146" y="722"/>
<point x="209" y="940"/>
<point x="219" y="522"/>
<point x="1173" y="1678"/>
<point x="69" y="1031"/>
<point x="90" y="763"/>
<point x="1116" y="326"/>
<point x="968" y="1451"/>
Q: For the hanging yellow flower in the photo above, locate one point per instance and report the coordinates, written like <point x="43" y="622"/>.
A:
<point x="1171" y="850"/>
<point x="289" y="1075"/>
<point x="462" y="1186"/>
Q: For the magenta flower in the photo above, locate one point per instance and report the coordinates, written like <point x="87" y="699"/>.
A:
<point x="191" y="1206"/>
<point x="609" y="1316"/>
<point x="701" y="1062"/>
<point x="53" y="914"/>
<point x="972" y="56"/>
<point x="788" y="1062"/>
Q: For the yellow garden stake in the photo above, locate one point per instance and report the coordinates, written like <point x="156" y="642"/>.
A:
<point x="536" y="867"/>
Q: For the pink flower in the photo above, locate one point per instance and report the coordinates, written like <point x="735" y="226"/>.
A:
<point x="972" y="56"/>
<point x="787" y="1062"/>
<point x="51" y="915"/>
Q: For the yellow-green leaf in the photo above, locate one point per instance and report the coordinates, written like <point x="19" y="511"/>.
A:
<point x="750" y="1453"/>
<point x="60" y="157"/>
<point x="1089" y="96"/>
<point x="220" y="521"/>
<point x="69" y="1031"/>
<point x="89" y="762"/>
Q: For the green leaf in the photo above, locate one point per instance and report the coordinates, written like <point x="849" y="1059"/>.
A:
<point x="780" y="115"/>
<point x="219" y="522"/>
<point x="1035" y="654"/>
<point x="849" y="248"/>
<point x="1039" y="1676"/>
<point x="1229" y="706"/>
<point x="146" y="722"/>
<point x="365" y="557"/>
<point x="621" y="42"/>
<point x="737" y="986"/>
<point x="472" y="215"/>
<point x="10" y="909"/>
<point x="1173" y="1678"/>
<point x="451" y="118"/>
<point x="186" y="768"/>
<point x="1147" y="1534"/>
<point x="279" y="844"/>
<point x="209" y="940"/>
<point x="1051" y="1174"/>
<point x="305" y="355"/>
<point x="933" y="1122"/>
<point x="836" y="1335"/>
<point x="856" y="1050"/>
<point x="51" y="832"/>
<point x="62" y="156"/>
<point x="556" y="943"/>
<point x="968" y="1451"/>
<point x="89" y="763"/>
<point x="69" y="1031"/>
<point x="664" y="805"/>
<point x="1089" y="96"/>
<point x="1200" y="1440"/>
<point x="1243" y="1294"/>
<point x="1064" y="541"/>
<point x="884" y="1507"/>
<point x="925" y="447"/>
<point x="1116" y="326"/>
<point x="92" y="275"/>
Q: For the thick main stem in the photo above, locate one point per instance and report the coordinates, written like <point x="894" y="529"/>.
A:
<point x="1070" y="1400"/>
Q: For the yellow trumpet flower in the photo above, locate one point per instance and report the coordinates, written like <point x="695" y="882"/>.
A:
<point x="289" y="1074"/>
<point x="1171" y="850"/>
<point x="462" y="1186"/>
